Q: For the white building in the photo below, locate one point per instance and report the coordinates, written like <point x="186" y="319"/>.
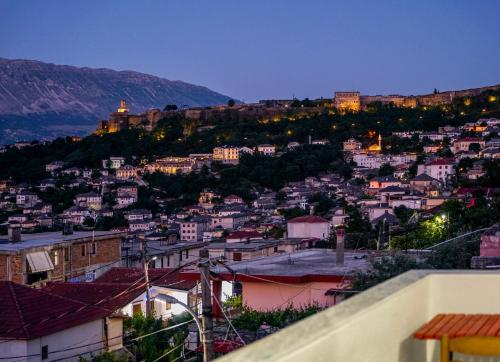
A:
<point x="92" y="200"/>
<point x="28" y="331"/>
<point x="440" y="168"/>
<point x="308" y="227"/>
<point x="267" y="150"/>
<point x="226" y="154"/>
<point x="113" y="162"/>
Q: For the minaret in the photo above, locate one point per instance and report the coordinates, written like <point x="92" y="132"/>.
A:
<point x="380" y="141"/>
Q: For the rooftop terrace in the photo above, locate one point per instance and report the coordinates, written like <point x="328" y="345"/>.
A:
<point x="378" y="324"/>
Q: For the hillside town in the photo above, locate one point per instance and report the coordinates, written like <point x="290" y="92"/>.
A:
<point x="105" y="241"/>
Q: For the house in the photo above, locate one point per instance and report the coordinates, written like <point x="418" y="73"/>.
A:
<point x="266" y="149"/>
<point x="320" y="142"/>
<point x="424" y="182"/>
<point x="91" y="200"/>
<point x="231" y="221"/>
<point x="233" y="199"/>
<point x="163" y="253"/>
<point x="339" y="216"/>
<point x="439" y="168"/>
<point x="207" y="198"/>
<point x="138" y="214"/>
<point x="351" y="145"/>
<point x="38" y="325"/>
<point x="141" y="225"/>
<point x="124" y="201"/>
<point x="308" y="227"/>
<point x="72" y="171"/>
<point x="192" y="228"/>
<point x="297" y="279"/>
<point x="463" y="144"/>
<point x="126" y="172"/>
<point x="76" y="215"/>
<point x="34" y="259"/>
<point x="127" y="190"/>
<point x="46" y="184"/>
<point x="113" y="162"/>
<point x="27" y="199"/>
<point x="292" y="145"/>
<point x="54" y="166"/>
<point x="384" y="181"/>
<point x="226" y="154"/>
<point x="164" y="282"/>
<point x="386" y="219"/>
<point x="252" y="249"/>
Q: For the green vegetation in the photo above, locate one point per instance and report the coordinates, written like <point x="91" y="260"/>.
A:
<point x="176" y="136"/>
<point x="152" y="347"/>
<point x="251" y="319"/>
<point x="454" y="219"/>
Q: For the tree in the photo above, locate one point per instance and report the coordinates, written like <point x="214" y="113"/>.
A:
<point x="385" y="170"/>
<point x="170" y="107"/>
<point x="475" y="147"/>
<point x="231" y="103"/>
<point x="382" y="270"/>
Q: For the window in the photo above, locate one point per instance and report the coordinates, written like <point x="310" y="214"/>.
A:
<point x="56" y="257"/>
<point x="180" y="256"/>
<point x="93" y="248"/>
<point x="83" y="249"/>
<point x="187" y="254"/>
<point x="45" y="352"/>
<point x="236" y="256"/>
<point x="66" y="254"/>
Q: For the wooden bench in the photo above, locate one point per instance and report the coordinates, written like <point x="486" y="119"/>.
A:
<point x="471" y="334"/>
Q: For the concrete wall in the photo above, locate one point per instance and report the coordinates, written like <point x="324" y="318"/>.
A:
<point x="378" y="325"/>
<point x="269" y="296"/>
<point x="308" y="230"/>
<point x="90" y="336"/>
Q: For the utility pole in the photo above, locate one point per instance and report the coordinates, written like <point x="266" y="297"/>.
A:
<point x="146" y="278"/>
<point x="206" y="307"/>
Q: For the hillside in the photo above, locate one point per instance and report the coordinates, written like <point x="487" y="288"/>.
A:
<point x="42" y="100"/>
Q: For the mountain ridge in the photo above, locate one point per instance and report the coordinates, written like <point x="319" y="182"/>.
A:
<point x="38" y="95"/>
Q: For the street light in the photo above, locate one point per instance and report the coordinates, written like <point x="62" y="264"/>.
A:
<point x="172" y="300"/>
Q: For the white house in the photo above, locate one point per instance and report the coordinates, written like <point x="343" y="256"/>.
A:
<point x="308" y="227"/>
<point x="267" y="150"/>
<point x="29" y="331"/>
<point x="440" y="168"/>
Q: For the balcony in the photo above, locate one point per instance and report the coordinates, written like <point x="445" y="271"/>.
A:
<point x="377" y="325"/>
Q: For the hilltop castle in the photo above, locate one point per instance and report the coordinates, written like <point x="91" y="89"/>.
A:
<point x="354" y="101"/>
<point x="121" y="119"/>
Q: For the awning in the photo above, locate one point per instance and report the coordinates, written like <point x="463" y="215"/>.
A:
<point x="39" y="261"/>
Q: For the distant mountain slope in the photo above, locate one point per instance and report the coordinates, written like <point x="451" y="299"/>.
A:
<point x="39" y="100"/>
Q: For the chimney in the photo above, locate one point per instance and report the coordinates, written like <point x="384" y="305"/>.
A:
<point x="67" y="228"/>
<point x="14" y="234"/>
<point x="340" y="233"/>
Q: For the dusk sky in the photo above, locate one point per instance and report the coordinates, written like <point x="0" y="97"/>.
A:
<point x="254" y="50"/>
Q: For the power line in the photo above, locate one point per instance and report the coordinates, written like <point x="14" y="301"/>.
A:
<point x="162" y="330"/>
<point x="166" y="354"/>
<point x="80" y="309"/>
<point x="222" y="310"/>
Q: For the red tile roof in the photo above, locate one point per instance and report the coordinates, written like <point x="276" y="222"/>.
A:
<point x="29" y="313"/>
<point x="310" y="219"/>
<point x="162" y="277"/>
<point x="111" y="296"/>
